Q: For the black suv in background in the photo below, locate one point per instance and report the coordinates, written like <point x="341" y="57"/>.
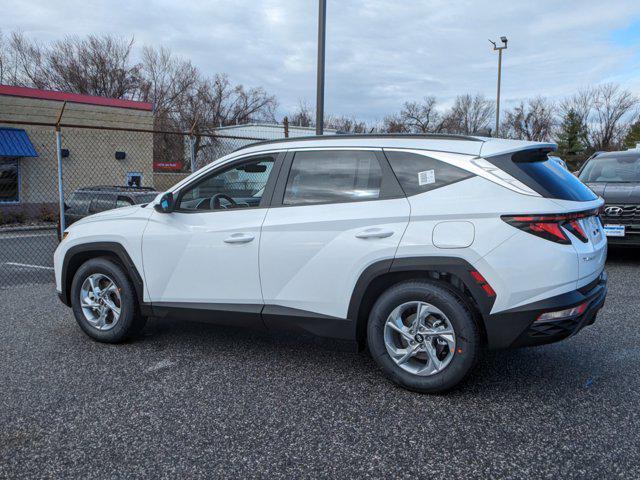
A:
<point x="615" y="176"/>
<point x="89" y="200"/>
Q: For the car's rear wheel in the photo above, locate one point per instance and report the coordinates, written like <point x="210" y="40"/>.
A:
<point x="423" y="336"/>
<point x="104" y="301"/>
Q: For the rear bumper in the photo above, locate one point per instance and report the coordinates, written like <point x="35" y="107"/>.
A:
<point x="628" y="240"/>
<point x="518" y="328"/>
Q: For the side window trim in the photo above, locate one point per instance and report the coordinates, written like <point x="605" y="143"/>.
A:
<point x="268" y="189"/>
<point x="389" y="188"/>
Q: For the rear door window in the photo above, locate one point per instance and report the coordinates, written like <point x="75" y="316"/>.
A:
<point x="334" y="176"/>
<point x="419" y="173"/>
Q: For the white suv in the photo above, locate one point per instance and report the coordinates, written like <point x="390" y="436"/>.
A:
<point x="422" y="248"/>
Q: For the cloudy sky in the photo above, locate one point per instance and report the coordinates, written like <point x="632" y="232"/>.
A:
<point x="380" y="53"/>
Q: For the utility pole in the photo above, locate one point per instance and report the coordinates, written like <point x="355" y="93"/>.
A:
<point x="322" y="27"/>
<point x="500" y="48"/>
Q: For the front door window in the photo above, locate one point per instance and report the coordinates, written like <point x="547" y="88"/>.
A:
<point x="239" y="186"/>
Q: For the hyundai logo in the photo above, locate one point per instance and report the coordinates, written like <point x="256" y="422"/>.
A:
<point x="613" y="211"/>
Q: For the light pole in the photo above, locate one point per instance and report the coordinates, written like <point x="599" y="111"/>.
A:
<point x="500" y="48"/>
<point x="322" y="26"/>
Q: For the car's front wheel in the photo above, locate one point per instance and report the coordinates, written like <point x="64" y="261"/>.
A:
<point x="423" y="336"/>
<point x="104" y="301"/>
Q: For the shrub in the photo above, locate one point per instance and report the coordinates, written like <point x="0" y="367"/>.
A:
<point x="19" y="216"/>
<point x="47" y="214"/>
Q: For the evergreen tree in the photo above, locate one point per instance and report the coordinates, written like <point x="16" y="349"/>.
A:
<point x="573" y="135"/>
<point x="633" y="136"/>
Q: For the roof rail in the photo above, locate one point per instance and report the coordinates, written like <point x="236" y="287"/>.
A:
<point x="115" y="188"/>
<point x="429" y="136"/>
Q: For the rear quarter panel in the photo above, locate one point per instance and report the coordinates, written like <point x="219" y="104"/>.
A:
<point x="519" y="266"/>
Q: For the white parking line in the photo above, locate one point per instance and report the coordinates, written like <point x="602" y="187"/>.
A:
<point x="26" y="265"/>
<point x="32" y="235"/>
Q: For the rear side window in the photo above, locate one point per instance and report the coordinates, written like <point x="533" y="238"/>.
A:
<point x="79" y="202"/>
<point x="122" y="201"/>
<point x="419" y="173"/>
<point x="102" y="203"/>
<point x="544" y="176"/>
<point x="333" y="176"/>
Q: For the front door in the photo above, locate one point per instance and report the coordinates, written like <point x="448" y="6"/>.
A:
<point x="204" y="255"/>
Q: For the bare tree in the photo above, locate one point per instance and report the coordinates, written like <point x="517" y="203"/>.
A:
<point x="4" y="58"/>
<point x="167" y="81"/>
<point x="580" y="104"/>
<point x="611" y="107"/>
<point x="95" y="65"/>
<point x="394" y="124"/>
<point x="533" y="120"/>
<point x="415" y="117"/>
<point x="606" y="110"/>
<point x="217" y="103"/>
<point x="469" y="115"/>
<point x="303" y="115"/>
<point x="346" y="124"/>
<point x="27" y="63"/>
<point x="422" y="117"/>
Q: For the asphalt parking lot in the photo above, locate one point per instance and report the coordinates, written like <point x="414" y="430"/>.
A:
<point x="27" y="256"/>
<point x="195" y="400"/>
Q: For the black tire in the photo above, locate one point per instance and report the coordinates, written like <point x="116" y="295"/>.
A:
<point x="468" y="340"/>
<point x="130" y="323"/>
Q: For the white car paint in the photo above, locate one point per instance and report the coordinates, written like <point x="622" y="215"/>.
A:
<point x="310" y="257"/>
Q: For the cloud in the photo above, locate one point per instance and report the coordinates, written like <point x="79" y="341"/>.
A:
<point x="379" y="53"/>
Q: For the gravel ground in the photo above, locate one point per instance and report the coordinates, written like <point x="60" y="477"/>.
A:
<point x="196" y="400"/>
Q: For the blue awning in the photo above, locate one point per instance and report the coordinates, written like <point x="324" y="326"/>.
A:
<point x="14" y="142"/>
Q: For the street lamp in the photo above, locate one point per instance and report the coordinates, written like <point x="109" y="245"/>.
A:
<point x="504" y="41"/>
<point x="322" y="26"/>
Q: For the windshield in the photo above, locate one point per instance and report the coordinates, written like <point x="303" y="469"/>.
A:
<point x="622" y="169"/>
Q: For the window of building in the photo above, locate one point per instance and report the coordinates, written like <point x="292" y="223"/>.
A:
<point x="9" y="180"/>
<point x="332" y="177"/>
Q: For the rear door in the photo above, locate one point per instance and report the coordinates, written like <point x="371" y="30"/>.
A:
<point x="334" y="212"/>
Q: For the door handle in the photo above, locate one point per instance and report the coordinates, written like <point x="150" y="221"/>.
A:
<point x="374" y="233"/>
<point x="239" y="238"/>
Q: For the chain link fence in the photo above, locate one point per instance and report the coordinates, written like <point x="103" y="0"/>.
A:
<point x="101" y="168"/>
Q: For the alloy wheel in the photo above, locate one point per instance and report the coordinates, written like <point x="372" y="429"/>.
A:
<point x="100" y="301"/>
<point x="419" y="338"/>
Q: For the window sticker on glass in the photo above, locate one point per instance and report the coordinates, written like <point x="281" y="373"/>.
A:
<point x="427" y="177"/>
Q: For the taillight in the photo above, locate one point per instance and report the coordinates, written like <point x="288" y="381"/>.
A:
<point x="552" y="227"/>
<point x="574" y="227"/>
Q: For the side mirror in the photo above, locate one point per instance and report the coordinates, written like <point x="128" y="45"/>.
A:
<point x="166" y="203"/>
